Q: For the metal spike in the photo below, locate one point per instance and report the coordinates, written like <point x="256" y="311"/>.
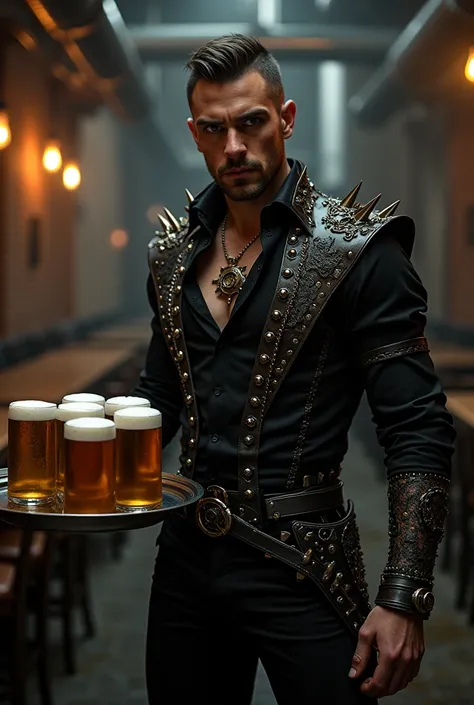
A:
<point x="165" y="224"/>
<point x="174" y="222"/>
<point x="189" y="196"/>
<point x="363" y="213"/>
<point x="284" y="536"/>
<point x="349" y="200"/>
<point x="389" y="210"/>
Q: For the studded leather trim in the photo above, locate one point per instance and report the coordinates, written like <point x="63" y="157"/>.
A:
<point x="168" y="255"/>
<point x="388" y="352"/>
<point x="313" y="266"/>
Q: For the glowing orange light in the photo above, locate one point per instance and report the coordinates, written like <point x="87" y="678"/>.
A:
<point x="469" y="70"/>
<point x="71" y="176"/>
<point x="5" y="132"/>
<point x="119" y="238"/>
<point x="52" y="159"/>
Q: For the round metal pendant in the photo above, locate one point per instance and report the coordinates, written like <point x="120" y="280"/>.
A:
<point x="230" y="281"/>
<point x="213" y="517"/>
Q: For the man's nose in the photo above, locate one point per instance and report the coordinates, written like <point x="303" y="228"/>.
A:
<point x="234" y="147"/>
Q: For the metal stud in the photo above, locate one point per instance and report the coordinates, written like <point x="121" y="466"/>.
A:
<point x="192" y="442"/>
<point x="307" y="556"/>
<point x="264" y="359"/>
<point x="249" y="440"/>
<point x="185" y="376"/>
<point x="192" y="421"/>
<point x="182" y="270"/>
<point x="288" y="273"/>
<point x="248" y="473"/>
<point x="251" y="422"/>
<point x="318" y="285"/>
<point x="189" y="400"/>
<point x="249" y="494"/>
<point x="178" y="289"/>
<point x="175" y="310"/>
<point x="293" y="240"/>
<point x="350" y="254"/>
<point x="332" y="548"/>
<point x="180" y="355"/>
<point x="283" y="294"/>
<point x="291" y="254"/>
<point x="269" y="337"/>
<point x="259" y="380"/>
<point x="276" y="315"/>
<point x="276" y="515"/>
<point x="189" y="462"/>
<point x="176" y="333"/>
<point x="255" y="402"/>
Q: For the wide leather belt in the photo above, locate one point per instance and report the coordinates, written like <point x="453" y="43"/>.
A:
<point x="321" y="550"/>
<point x="280" y="506"/>
<point x="214" y="512"/>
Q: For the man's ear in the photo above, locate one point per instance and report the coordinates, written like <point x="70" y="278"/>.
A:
<point x="192" y="128"/>
<point x="287" y="117"/>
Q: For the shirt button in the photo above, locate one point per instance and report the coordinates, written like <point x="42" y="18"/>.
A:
<point x="217" y="391"/>
<point x="214" y="438"/>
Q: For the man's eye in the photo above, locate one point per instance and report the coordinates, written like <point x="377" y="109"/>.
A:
<point x="212" y="128"/>
<point x="252" y="121"/>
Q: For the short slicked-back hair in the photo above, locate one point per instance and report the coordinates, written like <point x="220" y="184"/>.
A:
<point x="228" y="58"/>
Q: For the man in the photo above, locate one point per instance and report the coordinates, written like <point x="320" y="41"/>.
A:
<point x="275" y="307"/>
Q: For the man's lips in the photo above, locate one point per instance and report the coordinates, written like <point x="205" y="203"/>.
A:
<point x="236" y="172"/>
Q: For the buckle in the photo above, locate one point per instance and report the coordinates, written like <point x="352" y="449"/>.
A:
<point x="213" y="515"/>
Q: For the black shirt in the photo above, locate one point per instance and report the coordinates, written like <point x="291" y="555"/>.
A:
<point x="305" y="430"/>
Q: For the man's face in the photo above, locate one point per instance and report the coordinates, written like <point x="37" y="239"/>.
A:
<point x="240" y="132"/>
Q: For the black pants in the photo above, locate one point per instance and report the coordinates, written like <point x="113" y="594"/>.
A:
<point x="217" y="606"/>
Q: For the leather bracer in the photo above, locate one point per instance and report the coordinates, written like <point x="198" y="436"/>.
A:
<point x="417" y="510"/>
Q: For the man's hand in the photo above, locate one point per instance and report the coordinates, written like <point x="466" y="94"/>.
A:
<point x="398" y="638"/>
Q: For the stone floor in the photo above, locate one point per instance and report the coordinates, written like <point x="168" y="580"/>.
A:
<point x="110" y="667"/>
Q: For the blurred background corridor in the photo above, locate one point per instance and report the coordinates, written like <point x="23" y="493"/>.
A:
<point x="93" y="146"/>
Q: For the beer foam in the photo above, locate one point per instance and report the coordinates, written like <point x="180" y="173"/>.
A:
<point x="138" y="418"/>
<point x="32" y="410"/>
<point x="76" y="410"/>
<point x="89" y="429"/>
<point x="84" y="397"/>
<point x="116" y="403"/>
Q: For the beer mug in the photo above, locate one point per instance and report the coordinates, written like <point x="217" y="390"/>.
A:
<point x="66" y="412"/>
<point x="116" y="403"/>
<point x="31" y="452"/>
<point x="84" y="398"/>
<point x="89" y="473"/>
<point x="138" y="480"/>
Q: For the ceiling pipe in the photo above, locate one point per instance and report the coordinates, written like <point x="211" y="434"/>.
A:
<point x="431" y="43"/>
<point x="294" y="41"/>
<point x="95" y="38"/>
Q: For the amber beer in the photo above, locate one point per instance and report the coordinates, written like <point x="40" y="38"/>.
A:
<point x="138" y="459"/>
<point x="31" y="452"/>
<point x="116" y="403"/>
<point x="66" y="412"/>
<point x="89" y="477"/>
<point x="84" y="398"/>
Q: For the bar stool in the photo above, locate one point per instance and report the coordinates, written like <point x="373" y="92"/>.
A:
<point x="25" y="563"/>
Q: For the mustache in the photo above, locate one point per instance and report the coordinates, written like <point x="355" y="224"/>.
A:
<point x="241" y="164"/>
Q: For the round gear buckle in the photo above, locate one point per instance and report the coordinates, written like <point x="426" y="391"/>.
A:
<point x="213" y="515"/>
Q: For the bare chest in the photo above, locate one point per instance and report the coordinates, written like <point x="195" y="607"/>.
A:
<point x="209" y="267"/>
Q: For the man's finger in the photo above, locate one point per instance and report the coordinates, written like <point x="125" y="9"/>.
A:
<point x="362" y="654"/>
<point x="378" y="684"/>
<point x="404" y="673"/>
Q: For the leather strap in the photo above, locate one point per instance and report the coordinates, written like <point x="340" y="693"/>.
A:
<point x="295" y="503"/>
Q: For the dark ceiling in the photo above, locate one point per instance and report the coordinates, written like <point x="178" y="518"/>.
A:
<point x="347" y="12"/>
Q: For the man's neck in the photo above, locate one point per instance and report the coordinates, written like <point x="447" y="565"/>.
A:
<point x="244" y="216"/>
